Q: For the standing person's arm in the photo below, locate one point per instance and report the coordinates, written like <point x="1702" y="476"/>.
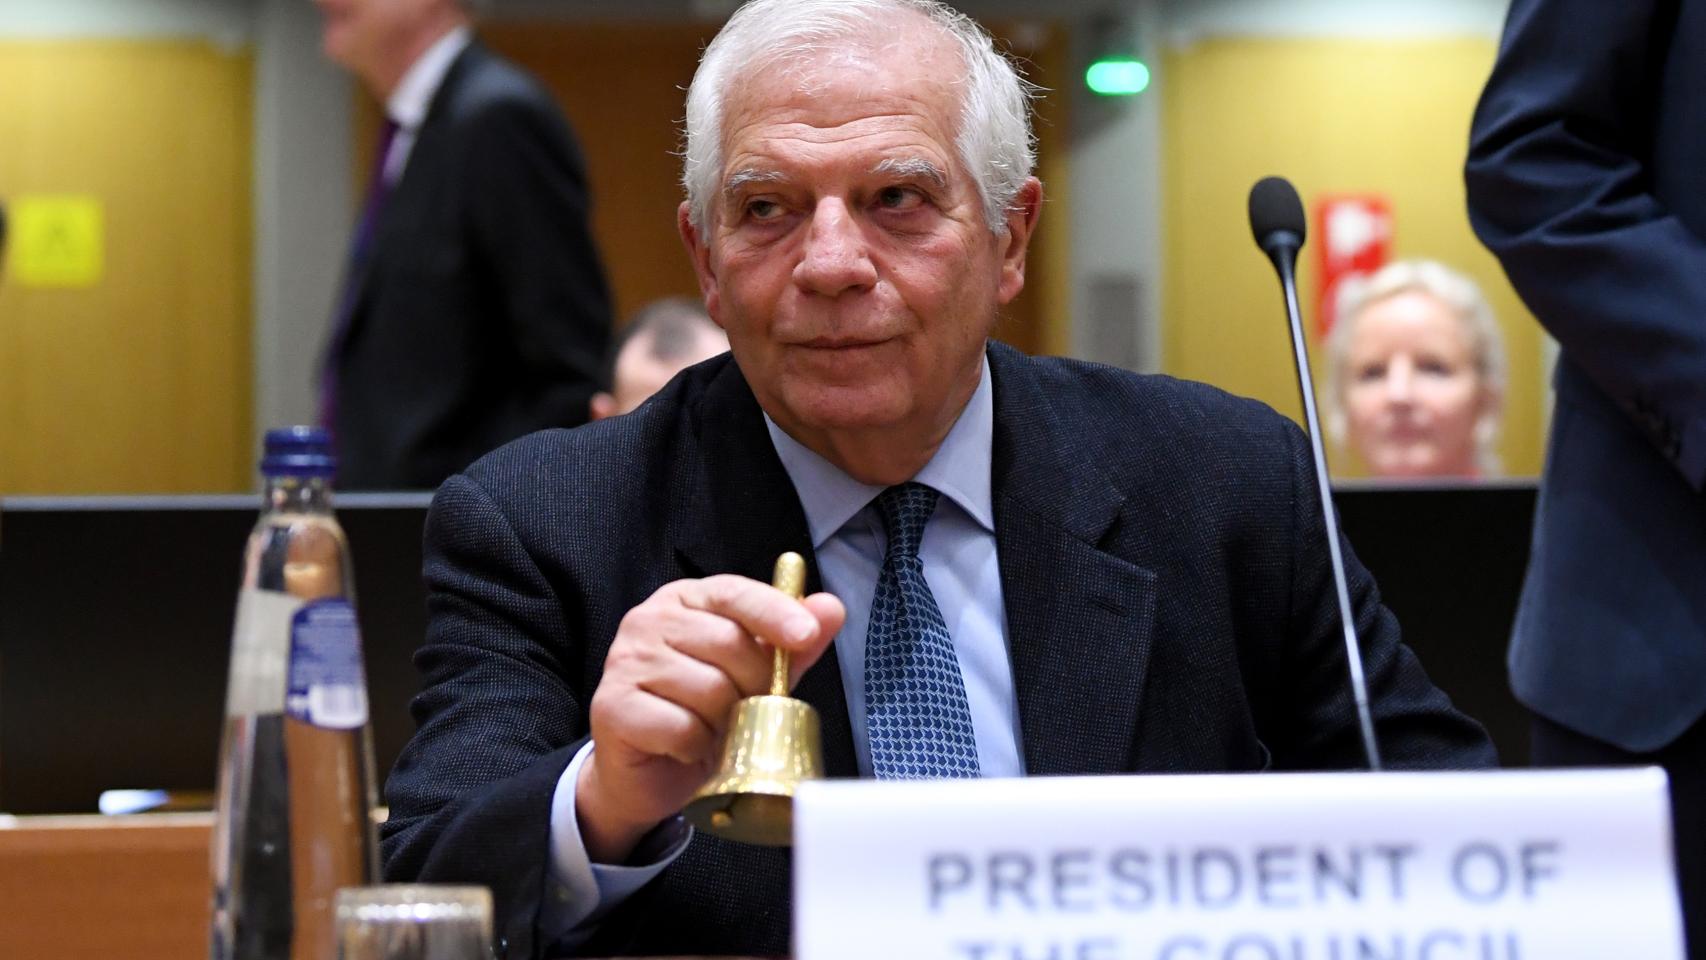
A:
<point x="532" y="222"/>
<point x="1561" y="189"/>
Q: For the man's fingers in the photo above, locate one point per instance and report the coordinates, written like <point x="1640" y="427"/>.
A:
<point x="703" y="688"/>
<point x="760" y="609"/>
<point x="657" y="727"/>
<point x="753" y="605"/>
<point x="694" y="651"/>
<point x="830" y="615"/>
<point x="722" y="643"/>
<point x="828" y="610"/>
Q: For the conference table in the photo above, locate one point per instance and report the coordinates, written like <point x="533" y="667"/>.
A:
<point x="105" y="888"/>
<point x="132" y="887"/>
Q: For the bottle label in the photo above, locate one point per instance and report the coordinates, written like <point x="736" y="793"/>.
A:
<point x="260" y="652"/>
<point x="328" y="687"/>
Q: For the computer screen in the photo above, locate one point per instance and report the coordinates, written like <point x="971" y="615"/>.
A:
<point x="115" y="633"/>
<point x="116" y="615"/>
<point x="1449" y="561"/>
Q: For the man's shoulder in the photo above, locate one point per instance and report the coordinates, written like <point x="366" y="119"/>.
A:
<point x="484" y="85"/>
<point x="606" y="465"/>
<point x="1139" y="410"/>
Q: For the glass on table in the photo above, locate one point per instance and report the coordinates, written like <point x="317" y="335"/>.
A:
<point x="414" y="922"/>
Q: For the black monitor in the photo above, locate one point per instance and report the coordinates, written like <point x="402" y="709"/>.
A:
<point x="1449" y="559"/>
<point x="116" y="615"/>
<point x="115" y="634"/>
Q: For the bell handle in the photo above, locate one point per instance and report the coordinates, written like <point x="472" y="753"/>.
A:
<point x="790" y="578"/>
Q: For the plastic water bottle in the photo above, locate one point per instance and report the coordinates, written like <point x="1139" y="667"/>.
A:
<point x="293" y="819"/>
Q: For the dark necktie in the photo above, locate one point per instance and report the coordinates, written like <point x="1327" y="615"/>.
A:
<point x="360" y="248"/>
<point x="916" y="714"/>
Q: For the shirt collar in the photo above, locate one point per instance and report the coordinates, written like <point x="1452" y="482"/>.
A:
<point x="407" y="105"/>
<point x="959" y="470"/>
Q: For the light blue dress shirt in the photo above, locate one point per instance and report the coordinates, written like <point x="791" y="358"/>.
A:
<point x="958" y="552"/>
<point x="960" y="563"/>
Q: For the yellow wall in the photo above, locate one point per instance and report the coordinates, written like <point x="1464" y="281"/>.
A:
<point x="140" y="383"/>
<point x="1388" y="117"/>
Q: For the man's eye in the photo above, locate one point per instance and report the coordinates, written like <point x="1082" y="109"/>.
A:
<point x="763" y="209"/>
<point x="899" y="198"/>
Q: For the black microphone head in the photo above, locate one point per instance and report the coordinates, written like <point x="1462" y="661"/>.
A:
<point x="1276" y="214"/>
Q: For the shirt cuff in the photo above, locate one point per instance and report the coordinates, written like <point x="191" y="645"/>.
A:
<point x="580" y="893"/>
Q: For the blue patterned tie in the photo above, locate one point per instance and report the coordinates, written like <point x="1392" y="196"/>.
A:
<point x="915" y="699"/>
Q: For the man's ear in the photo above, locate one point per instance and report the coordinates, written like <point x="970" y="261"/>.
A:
<point x="603" y="405"/>
<point x="1022" y="216"/>
<point x="699" y="251"/>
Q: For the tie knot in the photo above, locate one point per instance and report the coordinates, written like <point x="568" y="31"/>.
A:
<point x="905" y="509"/>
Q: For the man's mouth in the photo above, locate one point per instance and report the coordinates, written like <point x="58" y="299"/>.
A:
<point x="842" y="343"/>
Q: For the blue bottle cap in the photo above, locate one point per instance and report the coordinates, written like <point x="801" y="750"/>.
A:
<point x="299" y="452"/>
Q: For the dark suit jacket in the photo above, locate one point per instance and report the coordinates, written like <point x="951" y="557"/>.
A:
<point x="1169" y="601"/>
<point x="481" y="312"/>
<point x="1587" y="177"/>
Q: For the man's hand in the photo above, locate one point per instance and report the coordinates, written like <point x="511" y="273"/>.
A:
<point x="679" y="663"/>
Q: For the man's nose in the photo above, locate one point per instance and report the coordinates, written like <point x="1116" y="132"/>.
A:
<point x="835" y="259"/>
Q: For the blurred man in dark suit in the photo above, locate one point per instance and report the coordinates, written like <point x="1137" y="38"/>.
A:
<point x="474" y="308"/>
<point x="1587" y="177"/>
<point x="1066" y="568"/>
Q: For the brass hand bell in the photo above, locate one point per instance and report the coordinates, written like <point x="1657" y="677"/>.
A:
<point x="772" y="745"/>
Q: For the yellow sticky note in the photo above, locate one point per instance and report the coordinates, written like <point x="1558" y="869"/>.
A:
<point x="56" y="241"/>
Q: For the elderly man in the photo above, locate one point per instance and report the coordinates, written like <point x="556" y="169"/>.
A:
<point x="1077" y="569"/>
<point x="474" y="308"/>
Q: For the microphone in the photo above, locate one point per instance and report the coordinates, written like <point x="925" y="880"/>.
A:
<point x="1276" y="219"/>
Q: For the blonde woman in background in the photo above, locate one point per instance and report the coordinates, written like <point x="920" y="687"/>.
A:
<point x="1416" y="378"/>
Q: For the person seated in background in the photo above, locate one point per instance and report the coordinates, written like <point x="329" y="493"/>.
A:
<point x="1416" y="373"/>
<point x="664" y="338"/>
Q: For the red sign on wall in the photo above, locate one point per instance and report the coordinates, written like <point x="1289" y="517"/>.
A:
<point x="1355" y="239"/>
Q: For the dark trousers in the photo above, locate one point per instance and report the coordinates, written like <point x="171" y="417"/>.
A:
<point x="1685" y="760"/>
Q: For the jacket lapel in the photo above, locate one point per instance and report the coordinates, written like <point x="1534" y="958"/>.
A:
<point x="360" y="269"/>
<point x="736" y="511"/>
<point x="1079" y="620"/>
<point x="390" y="226"/>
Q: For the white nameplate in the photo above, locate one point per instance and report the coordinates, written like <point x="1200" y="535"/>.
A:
<point x="1541" y="865"/>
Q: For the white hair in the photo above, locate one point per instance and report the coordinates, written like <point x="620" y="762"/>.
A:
<point x="1459" y="295"/>
<point x="994" y="139"/>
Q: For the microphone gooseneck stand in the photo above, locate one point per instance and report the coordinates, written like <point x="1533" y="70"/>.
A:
<point x="1276" y="219"/>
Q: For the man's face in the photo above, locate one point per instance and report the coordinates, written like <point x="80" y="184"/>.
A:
<point x="356" y="32"/>
<point x="847" y="256"/>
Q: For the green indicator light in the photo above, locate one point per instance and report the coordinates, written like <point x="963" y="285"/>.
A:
<point x="1117" y="78"/>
